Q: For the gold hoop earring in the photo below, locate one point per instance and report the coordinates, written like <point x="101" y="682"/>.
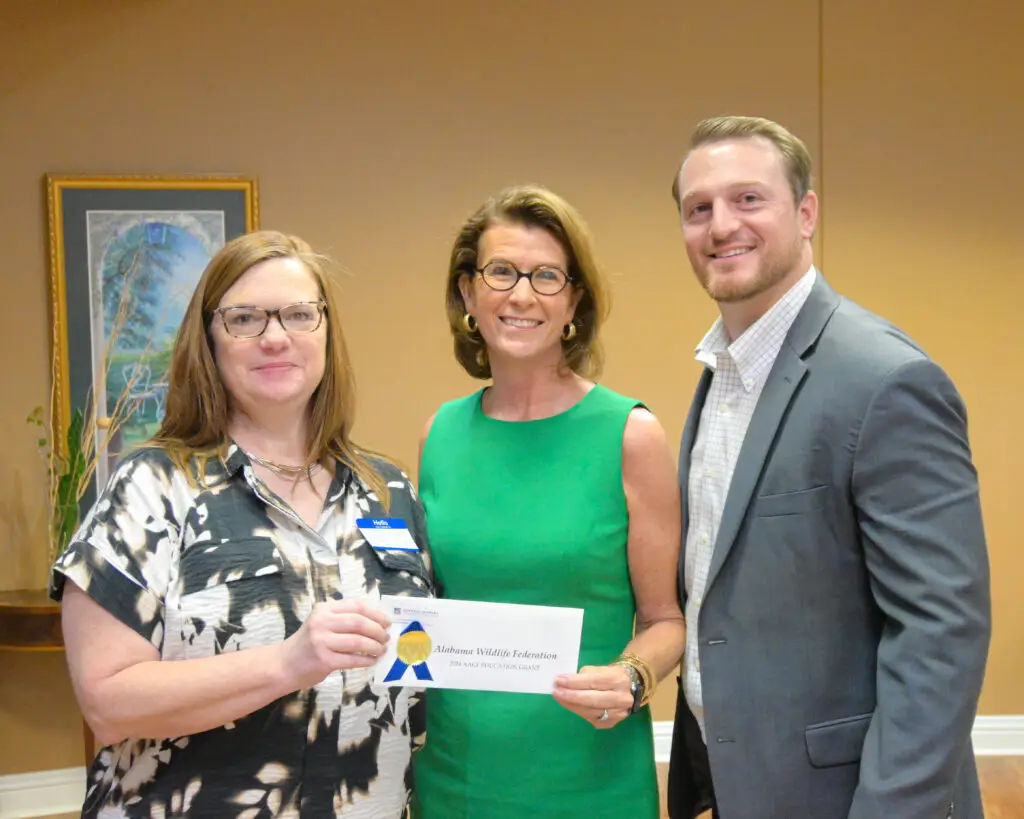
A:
<point x="569" y="332"/>
<point x="469" y="323"/>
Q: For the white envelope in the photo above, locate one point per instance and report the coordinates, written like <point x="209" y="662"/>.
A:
<point x="480" y="646"/>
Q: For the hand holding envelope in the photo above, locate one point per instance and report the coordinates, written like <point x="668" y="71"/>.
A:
<point x="338" y="634"/>
<point x="438" y="643"/>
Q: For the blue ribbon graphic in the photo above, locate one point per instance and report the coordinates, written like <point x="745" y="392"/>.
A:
<point x="399" y="668"/>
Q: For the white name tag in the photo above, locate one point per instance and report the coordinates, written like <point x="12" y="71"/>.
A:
<point x="387" y="534"/>
<point x="481" y="646"/>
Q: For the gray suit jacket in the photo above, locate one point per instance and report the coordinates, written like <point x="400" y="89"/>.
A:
<point x="845" y="625"/>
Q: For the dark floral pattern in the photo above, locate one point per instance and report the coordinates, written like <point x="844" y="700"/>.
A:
<point x="226" y="566"/>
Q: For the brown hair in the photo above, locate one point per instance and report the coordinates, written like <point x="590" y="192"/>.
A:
<point x="794" y="152"/>
<point x="532" y="206"/>
<point x="195" y="424"/>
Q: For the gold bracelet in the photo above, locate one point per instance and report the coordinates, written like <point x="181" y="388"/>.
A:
<point x="651" y="680"/>
<point x="643" y="668"/>
<point x="641" y="673"/>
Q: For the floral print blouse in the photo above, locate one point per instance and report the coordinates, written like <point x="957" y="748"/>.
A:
<point x="225" y="565"/>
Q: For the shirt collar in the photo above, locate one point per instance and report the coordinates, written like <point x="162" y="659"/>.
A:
<point x="755" y="351"/>
<point x="224" y="462"/>
<point x="235" y="458"/>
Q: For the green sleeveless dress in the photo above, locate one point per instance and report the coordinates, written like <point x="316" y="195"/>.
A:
<point x="532" y="512"/>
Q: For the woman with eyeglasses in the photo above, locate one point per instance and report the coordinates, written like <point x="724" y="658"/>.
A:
<point x="220" y="601"/>
<point x="546" y="488"/>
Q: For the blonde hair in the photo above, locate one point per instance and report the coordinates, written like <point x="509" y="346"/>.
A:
<point x="794" y="152"/>
<point x="532" y="206"/>
<point x="195" y="424"/>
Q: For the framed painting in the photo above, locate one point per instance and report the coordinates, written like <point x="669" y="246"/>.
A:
<point x="126" y="253"/>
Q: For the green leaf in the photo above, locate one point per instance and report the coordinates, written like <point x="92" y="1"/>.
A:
<point x="66" y="512"/>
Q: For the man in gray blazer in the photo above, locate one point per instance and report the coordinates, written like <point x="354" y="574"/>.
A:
<point x="834" y="570"/>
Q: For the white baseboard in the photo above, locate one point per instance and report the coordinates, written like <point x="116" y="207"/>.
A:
<point x="998" y="736"/>
<point x="662" y="742"/>
<point x="45" y="793"/>
<point x="992" y="736"/>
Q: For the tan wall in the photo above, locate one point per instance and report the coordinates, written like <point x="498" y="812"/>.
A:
<point x="923" y="111"/>
<point x="374" y="132"/>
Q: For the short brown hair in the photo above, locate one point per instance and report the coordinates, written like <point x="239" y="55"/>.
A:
<point x="195" y="424"/>
<point x="532" y="206"/>
<point x="794" y="152"/>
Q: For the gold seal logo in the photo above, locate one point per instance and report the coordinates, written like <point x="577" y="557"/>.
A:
<point x="414" y="647"/>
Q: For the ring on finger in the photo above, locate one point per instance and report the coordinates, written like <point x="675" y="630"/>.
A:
<point x="604" y="716"/>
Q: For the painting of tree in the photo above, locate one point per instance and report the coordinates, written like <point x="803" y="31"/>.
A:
<point x="147" y="267"/>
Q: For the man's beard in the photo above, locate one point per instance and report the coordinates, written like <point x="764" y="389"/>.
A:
<point x="773" y="271"/>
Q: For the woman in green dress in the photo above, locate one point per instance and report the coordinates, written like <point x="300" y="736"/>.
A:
<point x="545" y="488"/>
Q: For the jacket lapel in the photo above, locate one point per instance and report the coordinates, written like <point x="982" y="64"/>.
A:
<point x="787" y="373"/>
<point x="782" y="382"/>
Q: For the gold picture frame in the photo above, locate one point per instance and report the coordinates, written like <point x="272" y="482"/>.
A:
<point x="137" y="244"/>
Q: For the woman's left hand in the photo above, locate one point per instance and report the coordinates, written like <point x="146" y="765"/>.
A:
<point x="595" y="691"/>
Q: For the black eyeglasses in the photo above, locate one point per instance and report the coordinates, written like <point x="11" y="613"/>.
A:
<point x="501" y="275"/>
<point x="243" y="321"/>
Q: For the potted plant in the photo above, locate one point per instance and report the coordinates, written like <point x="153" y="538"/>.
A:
<point x="65" y="469"/>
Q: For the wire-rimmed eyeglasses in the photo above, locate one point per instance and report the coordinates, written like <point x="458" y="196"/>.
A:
<point x="545" y="280"/>
<point x="246" y="321"/>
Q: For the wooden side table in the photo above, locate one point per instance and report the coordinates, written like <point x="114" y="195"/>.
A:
<point x="30" y="621"/>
